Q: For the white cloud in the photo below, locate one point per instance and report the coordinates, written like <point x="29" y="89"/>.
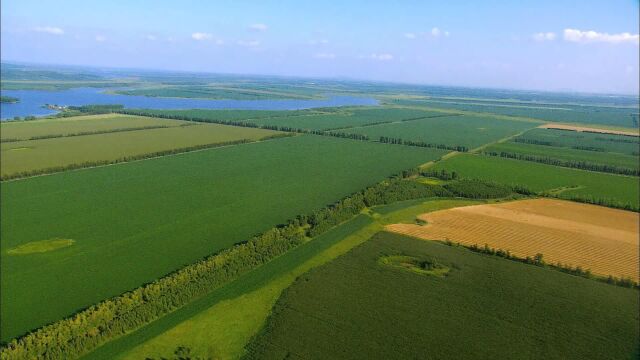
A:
<point x="544" y="36"/>
<point x="575" y="35"/>
<point x="437" y="32"/>
<point x="151" y="37"/>
<point x="201" y="36"/>
<point x="410" y="36"/>
<point x="381" y="57"/>
<point x="49" y="30"/>
<point x="100" y="38"/>
<point x="328" y="56"/>
<point x="258" y="27"/>
<point x="249" y="43"/>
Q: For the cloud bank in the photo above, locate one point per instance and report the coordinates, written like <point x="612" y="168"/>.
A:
<point x="590" y="36"/>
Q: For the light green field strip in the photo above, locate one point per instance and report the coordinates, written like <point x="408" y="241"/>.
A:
<point x="77" y="124"/>
<point x="222" y="330"/>
<point x="24" y="156"/>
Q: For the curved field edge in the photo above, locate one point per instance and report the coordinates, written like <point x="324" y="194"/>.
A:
<point x="125" y="254"/>
<point x="354" y="308"/>
<point x="222" y="329"/>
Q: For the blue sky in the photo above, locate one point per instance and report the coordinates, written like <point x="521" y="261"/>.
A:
<point x="589" y="46"/>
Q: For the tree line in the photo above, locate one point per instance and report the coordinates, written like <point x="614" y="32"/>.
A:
<point x="634" y="140"/>
<point x="583" y="165"/>
<point x="56" y="169"/>
<point x="399" y="141"/>
<point x="96" y="132"/>
<point x="333" y="133"/>
<point x="538" y="260"/>
<point x="86" y="330"/>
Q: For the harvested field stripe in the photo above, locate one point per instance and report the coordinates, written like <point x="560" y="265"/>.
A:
<point x="606" y="241"/>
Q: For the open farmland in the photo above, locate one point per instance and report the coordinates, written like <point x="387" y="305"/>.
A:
<point x="617" y="116"/>
<point x="615" y="190"/>
<point x="348" y="118"/>
<point x="39" y="155"/>
<point x="469" y="131"/>
<point x="361" y="307"/>
<point x="245" y="304"/>
<point x="24" y="130"/>
<point x="590" y="129"/>
<point x="602" y="240"/>
<point x="134" y="222"/>
<point x="565" y="154"/>
<point x="318" y="119"/>
<point x="582" y="140"/>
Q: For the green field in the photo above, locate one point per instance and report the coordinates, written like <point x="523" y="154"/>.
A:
<point x="469" y="131"/>
<point x="134" y="222"/>
<point x="317" y="119"/>
<point x="620" y="116"/>
<point x="26" y="156"/>
<point x="572" y="139"/>
<point x="485" y="307"/>
<point x="225" y="323"/>
<point x="347" y="118"/>
<point x="565" y="183"/>
<point x="568" y="154"/>
<point x="23" y="130"/>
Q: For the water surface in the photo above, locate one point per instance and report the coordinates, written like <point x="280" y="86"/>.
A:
<point x="32" y="101"/>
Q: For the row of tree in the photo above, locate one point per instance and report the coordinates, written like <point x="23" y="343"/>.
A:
<point x="56" y="169"/>
<point x="533" y="141"/>
<point x="583" y="165"/>
<point x="595" y="201"/>
<point x="626" y="139"/>
<point x="478" y="189"/>
<point x="98" y="132"/>
<point x="72" y="337"/>
<point x="399" y="141"/>
<point x="333" y="133"/>
<point x="588" y="148"/>
<point x="538" y="260"/>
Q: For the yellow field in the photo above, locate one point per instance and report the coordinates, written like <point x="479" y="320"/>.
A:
<point x="590" y="129"/>
<point x="30" y="155"/>
<point x="23" y="130"/>
<point x="601" y="239"/>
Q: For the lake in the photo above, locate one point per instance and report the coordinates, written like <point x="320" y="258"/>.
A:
<point x="31" y="102"/>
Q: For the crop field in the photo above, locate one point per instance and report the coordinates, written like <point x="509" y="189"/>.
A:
<point x="469" y="131"/>
<point x="363" y="306"/>
<point x="562" y="182"/>
<point x="622" y="116"/>
<point x="248" y="301"/>
<point x="133" y="222"/>
<point x="24" y="130"/>
<point x="348" y="118"/>
<point x="26" y="156"/>
<point x="568" y="154"/>
<point x="318" y="119"/>
<point x="595" y="238"/>
<point x="576" y="139"/>
<point x="599" y="130"/>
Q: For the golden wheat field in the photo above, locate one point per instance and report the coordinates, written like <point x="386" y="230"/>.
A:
<point x="601" y="239"/>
